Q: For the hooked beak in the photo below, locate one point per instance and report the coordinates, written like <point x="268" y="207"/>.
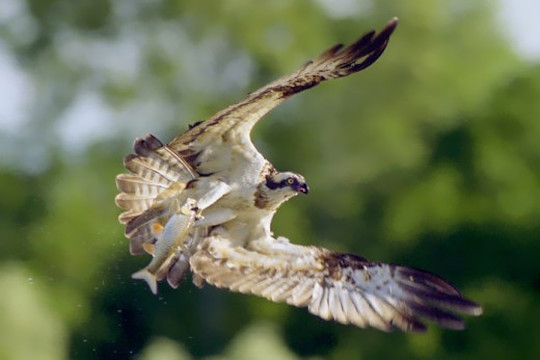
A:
<point x="303" y="188"/>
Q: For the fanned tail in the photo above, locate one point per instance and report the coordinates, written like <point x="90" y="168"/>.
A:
<point x="157" y="175"/>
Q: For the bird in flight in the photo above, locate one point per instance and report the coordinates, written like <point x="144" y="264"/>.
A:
<point x="204" y="203"/>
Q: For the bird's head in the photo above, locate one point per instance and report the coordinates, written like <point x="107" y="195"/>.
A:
<point x="287" y="182"/>
<point x="279" y="187"/>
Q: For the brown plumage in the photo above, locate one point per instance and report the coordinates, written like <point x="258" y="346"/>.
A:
<point x="237" y="191"/>
<point x="156" y="177"/>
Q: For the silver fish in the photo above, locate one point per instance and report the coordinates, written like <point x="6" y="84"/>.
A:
<point x="169" y="239"/>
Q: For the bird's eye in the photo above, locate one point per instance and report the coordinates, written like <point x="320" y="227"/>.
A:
<point x="290" y="181"/>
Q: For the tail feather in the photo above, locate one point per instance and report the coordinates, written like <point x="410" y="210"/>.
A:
<point x="157" y="164"/>
<point x="150" y="169"/>
<point x="179" y="264"/>
<point x="127" y="216"/>
<point x="177" y="270"/>
<point x="156" y="176"/>
<point x="132" y="202"/>
<point x="134" y="184"/>
<point x="148" y="218"/>
<point x="139" y="237"/>
<point x="147" y="276"/>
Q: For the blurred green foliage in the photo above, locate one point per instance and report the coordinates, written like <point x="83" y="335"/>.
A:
<point x="430" y="159"/>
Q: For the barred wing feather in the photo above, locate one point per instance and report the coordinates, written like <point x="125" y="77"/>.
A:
<point x="334" y="286"/>
<point x="236" y="121"/>
<point x="157" y="176"/>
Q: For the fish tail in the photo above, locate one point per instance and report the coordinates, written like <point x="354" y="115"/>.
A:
<point x="147" y="276"/>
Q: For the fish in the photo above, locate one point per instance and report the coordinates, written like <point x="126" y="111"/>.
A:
<point x="169" y="239"/>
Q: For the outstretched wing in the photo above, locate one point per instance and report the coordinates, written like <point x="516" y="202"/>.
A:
<point x="335" y="286"/>
<point x="235" y="122"/>
<point x="157" y="176"/>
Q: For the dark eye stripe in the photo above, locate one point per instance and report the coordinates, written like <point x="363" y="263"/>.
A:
<point x="283" y="183"/>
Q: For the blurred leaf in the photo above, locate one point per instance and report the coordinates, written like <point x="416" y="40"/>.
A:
<point x="30" y="328"/>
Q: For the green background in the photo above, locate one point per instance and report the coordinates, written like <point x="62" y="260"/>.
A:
<point x="430" y="158"/>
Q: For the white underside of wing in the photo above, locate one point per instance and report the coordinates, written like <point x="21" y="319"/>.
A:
<point x="334" y="286"/>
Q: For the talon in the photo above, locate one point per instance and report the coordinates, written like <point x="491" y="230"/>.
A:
<point x="189" y="206"/>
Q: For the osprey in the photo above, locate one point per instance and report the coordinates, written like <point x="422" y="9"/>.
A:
<point x="205" y="202"/>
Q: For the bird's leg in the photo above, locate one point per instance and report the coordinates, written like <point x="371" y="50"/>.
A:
<point x="216" y="191"/>
<point x="215" y="217"/>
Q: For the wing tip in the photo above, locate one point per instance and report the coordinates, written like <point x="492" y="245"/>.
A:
<point x="367" y="49"/>
<point x="392" y="23"/>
